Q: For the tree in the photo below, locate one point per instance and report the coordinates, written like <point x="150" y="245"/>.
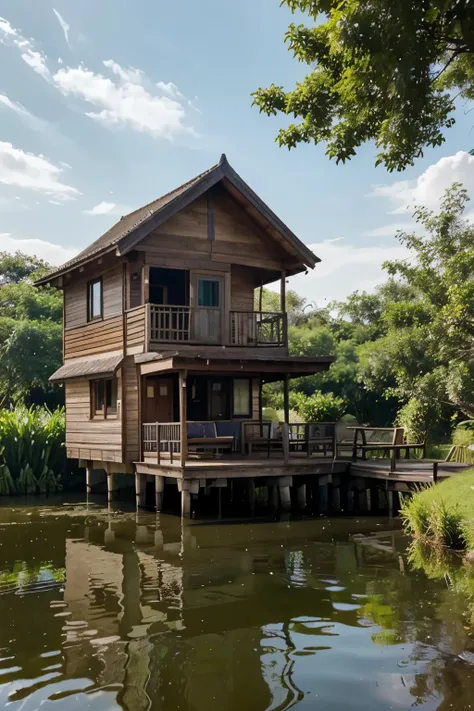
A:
<point x="30" y="332"/>
<point x="380" y="70"/>
<point x="425" y="356"/>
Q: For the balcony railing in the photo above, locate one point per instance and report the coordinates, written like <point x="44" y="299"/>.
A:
<point x="257" y="328"/>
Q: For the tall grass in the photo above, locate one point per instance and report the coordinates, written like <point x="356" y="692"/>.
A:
<point x="32" y="450"/>
<point x="434" y="522"/>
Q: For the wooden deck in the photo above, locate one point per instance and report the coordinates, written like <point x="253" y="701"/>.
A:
<point x="414" y="471"/>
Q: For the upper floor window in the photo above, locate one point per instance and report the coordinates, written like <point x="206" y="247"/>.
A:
<point x="208" y="292"/>
<point x="94" y="299"/>
<point x="104" y="398"/>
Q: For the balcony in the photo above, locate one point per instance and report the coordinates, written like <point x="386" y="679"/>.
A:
<point x="152" y="324"/>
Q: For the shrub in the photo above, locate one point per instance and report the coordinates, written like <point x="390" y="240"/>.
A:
<point x="320" y="407"/>
<point x="32" y="451"/>
<point x="415" y="515"/>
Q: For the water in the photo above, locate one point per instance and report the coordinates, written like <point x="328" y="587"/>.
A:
<point x="124" y="611"/>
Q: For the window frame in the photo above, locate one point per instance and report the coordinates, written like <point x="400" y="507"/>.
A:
<point x="105" y="413"/>
<point x="249" y="400"/>
<point x="90" y="301"/>
<point x="215" y="280"/>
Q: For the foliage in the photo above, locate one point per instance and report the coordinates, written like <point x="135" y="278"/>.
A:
<point x="32" y="452"/>
<point x="320" y="407"/>
<point x="30" y="332"/>
<point x="443" y="515"/>
<point x="423" y="354"/>
<point x="378" y="71"/>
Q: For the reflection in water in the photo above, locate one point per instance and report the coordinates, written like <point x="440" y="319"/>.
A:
<point x="109" y="611"/>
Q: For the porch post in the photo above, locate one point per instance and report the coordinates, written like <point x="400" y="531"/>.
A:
<point x="183" y="402"/>
<point x="285" y="427"/>
<point x="283" y="308"/>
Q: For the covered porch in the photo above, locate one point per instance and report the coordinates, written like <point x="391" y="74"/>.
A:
<point x="207" y="407"/>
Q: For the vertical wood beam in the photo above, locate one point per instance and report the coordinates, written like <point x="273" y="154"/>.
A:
<point x="183" y="405"/>
<point x="260" y="298"/>
<point x="159" y="490"/>
<point x="283" y="293"/>
<point x="146" y="284"/>
<point x="88" y="480"/>
<point x="286" y="398"/>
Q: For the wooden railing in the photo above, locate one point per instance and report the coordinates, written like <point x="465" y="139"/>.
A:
<point x="170" y="323"/>
<point x="256" y="328"/>
<point x="163" y="439"/>
<point x="307" y="438"/>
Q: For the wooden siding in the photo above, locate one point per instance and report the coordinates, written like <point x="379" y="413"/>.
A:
<point x="243" y="283"/>
<point x="90" y="438"/>
<point x="255" y="398"/>
<point x="136" y="327"/>
<point x="237" y="240"/>
<point x="75" y="296"/>
<point x="131" y="410"/>
<point x="97" y="337"/>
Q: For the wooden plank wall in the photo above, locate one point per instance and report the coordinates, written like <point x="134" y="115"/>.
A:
<point x="131" y="411"/>
<point x="75" y="296"/>
<point x="86" y="437"/>
<point x="242" y="289"/>
<point x="255" y="398"/>
<point x="95" y="338"/>
<point x="136" y="327"/>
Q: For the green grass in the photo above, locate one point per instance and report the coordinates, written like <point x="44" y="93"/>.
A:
<point x="443" y="514"/>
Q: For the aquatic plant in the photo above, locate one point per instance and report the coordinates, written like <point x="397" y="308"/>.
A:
<point x="32" y="450"/>
<point x="415" y="515"/>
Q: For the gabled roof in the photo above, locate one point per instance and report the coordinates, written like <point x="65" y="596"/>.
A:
<point x="132" y="228"/>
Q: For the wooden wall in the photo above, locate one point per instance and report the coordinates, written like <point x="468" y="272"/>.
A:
<point x="75" y="296"/>
<point x="135" y="327"/>
<point x="131" y="410"/>
<point x="243" y="284"/>
<point x="94" y="338"/>
<point x="90" y="438"/>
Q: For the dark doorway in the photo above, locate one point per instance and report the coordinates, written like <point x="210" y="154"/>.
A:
<point x="169" y="287"/>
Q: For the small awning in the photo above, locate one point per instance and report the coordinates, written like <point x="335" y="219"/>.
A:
<point x="104" y="367"/>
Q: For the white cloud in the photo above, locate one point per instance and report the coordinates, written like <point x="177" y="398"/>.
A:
<point x="6" y="28"/>
<point x="37" y="61"/>
<point x="429" y="187"/>
<point x="56" y="202"/>
<point x="35" y="172"/>
<point x="170" y="89"/>
<point x="64" y="26"/>
<point x="52" y="253"/>
<point x="108" y="208"/>
<point x="125" y="101"/>
<point x="26" y="116"/>
<point x="344" y="268"/>
<point x="14" y="106"/>
<point x="389" y="230"/>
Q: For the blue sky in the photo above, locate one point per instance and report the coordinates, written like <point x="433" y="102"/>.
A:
<point x="105" y="105"/>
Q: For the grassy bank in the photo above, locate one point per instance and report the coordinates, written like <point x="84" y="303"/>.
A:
<point x="443" y="515"/>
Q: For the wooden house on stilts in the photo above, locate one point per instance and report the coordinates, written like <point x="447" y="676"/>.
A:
<point x="165" y="354"/>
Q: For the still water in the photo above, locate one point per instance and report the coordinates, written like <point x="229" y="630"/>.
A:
<point x="111" y="610"/>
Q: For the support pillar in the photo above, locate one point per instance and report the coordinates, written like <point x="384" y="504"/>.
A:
<point x="110" y="487"/>
<point x="183" y="416"/>
<point x="185" y="504"/>
<point x="390" y="502"/>
<point x="284" y="483"/>
<point x="88" y="480"/>
<point x="301" y="497"/>
<point x="273" y="497"/>
<point x="336" y="498"/>
<point x="140" y="489"/>
<point x="285" y="426"/>
<point x="323" y="498"/>
<point x="159" y="491"/>
<point x="251" y="493"/>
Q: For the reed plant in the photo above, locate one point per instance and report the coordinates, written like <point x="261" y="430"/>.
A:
<point x="32" y="450"/>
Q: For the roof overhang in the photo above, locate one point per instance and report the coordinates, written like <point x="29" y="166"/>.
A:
<point x="273" y="368"/>
<point x="88" y="369"/>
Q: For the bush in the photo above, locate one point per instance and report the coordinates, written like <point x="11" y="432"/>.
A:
<point x="320" y="407"/>
<point x="32" y="450"/>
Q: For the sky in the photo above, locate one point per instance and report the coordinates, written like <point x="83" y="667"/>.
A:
<point x="105" y="106"/>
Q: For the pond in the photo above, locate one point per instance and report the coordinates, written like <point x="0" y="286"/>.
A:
<point x="118" y="610"/>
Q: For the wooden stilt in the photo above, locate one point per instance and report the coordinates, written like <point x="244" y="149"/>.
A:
<point x="301" y="496"/>
<point x="88" y="480"/>
<point x="284" y="483"/>
<point x="110" y="487"/>
<point x="140" y="484"/>
<point x="323" y="498"/>
<point x="185" y="503"/>
<point x="273" y="497"/>
<point x="159" y="491"/>
<point x="390" y="502"/>
<point x="336" y="498"/>
<point x="251" y="493"/>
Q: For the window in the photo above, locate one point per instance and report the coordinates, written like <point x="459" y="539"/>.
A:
<point x="94" y="299"/>
<point x="241" y="399"/>
<point x="208" y="292"/>
<point x="104" y="398"/>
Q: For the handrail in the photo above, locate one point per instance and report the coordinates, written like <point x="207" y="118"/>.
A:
<point x="258" y="328"/>
<point x="162" y="437"/>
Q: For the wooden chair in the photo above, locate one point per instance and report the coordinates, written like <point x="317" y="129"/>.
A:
<point x="394" y="448"/>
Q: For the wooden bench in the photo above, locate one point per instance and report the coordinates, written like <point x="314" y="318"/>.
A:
<point x="392" y="448"/>
<point x="203" y="435"/>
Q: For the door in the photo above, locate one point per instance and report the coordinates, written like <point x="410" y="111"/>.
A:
<point x="158" y="400"/>
<point x="207" y="308"/>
